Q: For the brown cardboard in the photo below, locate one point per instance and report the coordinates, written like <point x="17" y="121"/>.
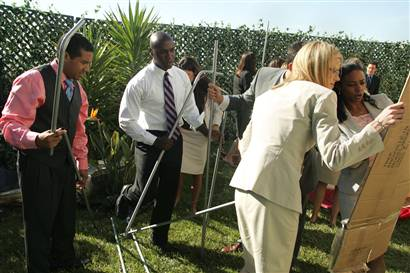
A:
<point x="367" y="234"/>
<point x="362" y="244"/>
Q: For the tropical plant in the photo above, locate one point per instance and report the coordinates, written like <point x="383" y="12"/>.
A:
<point x="103" y="90"/>
<point x="130" y="39"/>
<point x="111" y="154"/>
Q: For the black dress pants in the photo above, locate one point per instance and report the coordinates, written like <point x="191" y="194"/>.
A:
<point x="163" y="187"/>
<point x="48" y="213"/>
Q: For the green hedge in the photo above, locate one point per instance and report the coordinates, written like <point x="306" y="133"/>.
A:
<point x="28" y="38"/>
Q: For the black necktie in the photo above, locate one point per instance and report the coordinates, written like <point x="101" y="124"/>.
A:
<point x="170" y="112"/>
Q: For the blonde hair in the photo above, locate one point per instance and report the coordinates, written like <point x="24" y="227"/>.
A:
<point x="312" y="63"/>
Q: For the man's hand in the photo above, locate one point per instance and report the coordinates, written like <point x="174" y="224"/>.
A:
<point x="163" y="143"/>
<point x="214" y="92"/>
<point x="80" y="184"/>
<point x="48" y="139"/>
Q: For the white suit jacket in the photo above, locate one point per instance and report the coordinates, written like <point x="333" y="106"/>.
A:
<point x="286" y="123"/>
<point x="356" y="173"/>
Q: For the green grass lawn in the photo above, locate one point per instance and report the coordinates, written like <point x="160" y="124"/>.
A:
<point x="185" y="236"/>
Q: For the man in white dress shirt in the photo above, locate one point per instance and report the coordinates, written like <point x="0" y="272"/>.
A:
<point x="149" y="107"/>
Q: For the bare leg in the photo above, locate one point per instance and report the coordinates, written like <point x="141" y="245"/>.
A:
<point x="335" y="208"/>
<point x="319" y="196"/>
<point x="233" y="151"/>
<point x="196" y="190"/>
<point x="180" y="188"/>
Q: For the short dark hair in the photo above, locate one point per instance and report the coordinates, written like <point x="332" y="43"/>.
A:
<point x="189" y="63"/>
<point x="158" y="38"/>
<point x="78" y="42"/>
<point x="374" y="63"/>
<point x="293" y="49"/>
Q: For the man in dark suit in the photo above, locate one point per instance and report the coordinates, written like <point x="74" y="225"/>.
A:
<point x="372" y="81"/>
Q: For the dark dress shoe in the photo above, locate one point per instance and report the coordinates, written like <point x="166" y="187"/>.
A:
<point x="122" y="205"/>
<point x="77" y="263"/>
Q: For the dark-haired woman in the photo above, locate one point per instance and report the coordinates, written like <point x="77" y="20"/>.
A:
<point x="241" y="82"/>
<point x="195" y="144"/>
<point x="355" y="110"/>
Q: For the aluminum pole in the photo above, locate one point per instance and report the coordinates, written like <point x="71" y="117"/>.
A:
<point x="62" y="46"/>
<point x="187" y="217"/>
<point x="211" y="192"/>
<point x="77" y="173"/>
<point x="117" y="244"/>
<point x="137" y="246"/>
<point x="211" y="120"/>
<point x="265" y="44"/>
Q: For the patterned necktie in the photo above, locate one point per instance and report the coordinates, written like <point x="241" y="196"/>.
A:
<point x="170" y="112"/>
<point x="69" y="90"/>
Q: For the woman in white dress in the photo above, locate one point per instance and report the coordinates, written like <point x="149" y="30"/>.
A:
<point x="195" y="144"/>
<point x="286" y="122"/>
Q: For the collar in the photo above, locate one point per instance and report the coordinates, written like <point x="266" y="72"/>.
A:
<point x="156" y="69"/>
<point x="54" y="65"/>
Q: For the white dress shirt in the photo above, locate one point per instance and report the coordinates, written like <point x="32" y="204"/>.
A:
<point x="142" y="104"/>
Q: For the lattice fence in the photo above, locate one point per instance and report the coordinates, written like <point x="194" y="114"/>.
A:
<point x="28" y="38"/>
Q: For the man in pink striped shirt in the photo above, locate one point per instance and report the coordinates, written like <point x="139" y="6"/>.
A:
<point x="48" y="182"/>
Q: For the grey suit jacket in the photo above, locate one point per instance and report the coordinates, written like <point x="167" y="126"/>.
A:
<point x="265" y="79"/>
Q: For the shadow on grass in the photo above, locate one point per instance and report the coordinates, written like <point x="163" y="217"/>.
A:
<point x="318" y="239"/>
<point x="306" y="267"/>
<point x="211" y="262"/>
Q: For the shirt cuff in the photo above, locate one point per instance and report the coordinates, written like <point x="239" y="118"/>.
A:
<point x="225" y="103"/>
<point x="149" y="138"/>
<point x="83" y="163"/>
<point x="31" y="140"/>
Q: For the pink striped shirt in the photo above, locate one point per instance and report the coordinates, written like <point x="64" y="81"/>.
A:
<point x="19" y="113"/>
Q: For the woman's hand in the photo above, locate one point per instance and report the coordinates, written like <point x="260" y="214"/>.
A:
<point x="389" y="116"/>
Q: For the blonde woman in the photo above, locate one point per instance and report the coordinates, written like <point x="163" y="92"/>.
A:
<point x="286" y="122"/>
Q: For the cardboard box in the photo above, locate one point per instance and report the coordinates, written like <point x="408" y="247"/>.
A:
<point x="367" y="234"/>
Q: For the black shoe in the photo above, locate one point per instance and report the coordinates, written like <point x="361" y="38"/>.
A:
<point x="122" y="205"/>
<point x="166" y="249"/>
<point x="77" y="263"/>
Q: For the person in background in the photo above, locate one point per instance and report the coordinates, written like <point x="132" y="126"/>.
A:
<point x="241" y="82"/>
<point x="48" y="183"/>
<point x="195" y="144"/>
<point x="372" y="80"/>
<point x="276" y="62"/>
<point x="286" y="122"/>
<point x="149" y="109"/>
